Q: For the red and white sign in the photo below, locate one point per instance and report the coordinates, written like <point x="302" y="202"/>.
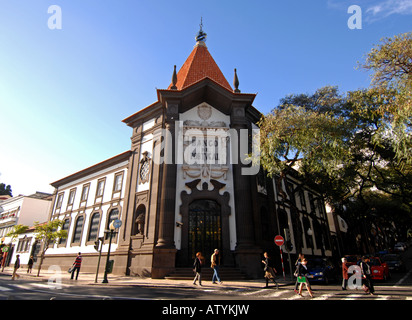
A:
<point x="279" y="241"/>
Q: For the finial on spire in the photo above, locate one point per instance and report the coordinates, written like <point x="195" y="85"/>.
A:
<point x="236" y="83"/>
<point x="201" y="36"/>
<point x="174" y="79"/>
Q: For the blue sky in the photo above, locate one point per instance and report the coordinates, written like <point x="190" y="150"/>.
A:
<point x="64" y="92"/>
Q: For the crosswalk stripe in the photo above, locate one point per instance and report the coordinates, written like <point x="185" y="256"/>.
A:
<point x="254" y="292"/>
<point x="323" y="296"/>
<point x="380" y="297"/>
<point x="52" y="285"/>
<point x="277" y="294"/>
<point x="354" y="297"/>
<point x="5" y="289"/>
<point x="294" y="297"/>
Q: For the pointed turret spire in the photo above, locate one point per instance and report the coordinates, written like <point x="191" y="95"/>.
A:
<point x="201" y="36"/>
<point x="199" y="65"/>
<point x="236" y="83"/>
<point x="174" y="79"/>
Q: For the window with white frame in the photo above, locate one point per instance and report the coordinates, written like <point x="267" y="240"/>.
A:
<point x="85" y="192"/>
<point x="71" y="197"/>
<point x="66" y="223"/>
<point x="94" y="227"/>
<point x="24" y="244"/>
<point x="59" y="200"/>
<point x="118" y="181"/>
<point x="78" y="230"/>
<point x="100" y="188"/>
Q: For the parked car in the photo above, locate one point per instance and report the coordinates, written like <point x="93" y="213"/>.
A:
<point x="399" y="247"/>
<point x="321" y="270"/>
<point x="394" y="262"/>
<point x="379" y="269"/>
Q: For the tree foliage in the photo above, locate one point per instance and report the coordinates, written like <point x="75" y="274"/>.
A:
<point x="49" y="233"/>
<point x="391" y="65"/>
<point x="293" y="134"/>
<point x="350" y="145"/>
<point x="5" y="190"/>
<point x="310" y="134"/>
<point x="16" y="231"/>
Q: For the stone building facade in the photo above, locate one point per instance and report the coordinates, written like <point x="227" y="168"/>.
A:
<point x="187" y="185"/>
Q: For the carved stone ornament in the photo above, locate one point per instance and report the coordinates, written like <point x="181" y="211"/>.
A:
<point x="144" y="171"/>
<point x="204" y="111"/>
<point x="210" y="124"/>
<point x="205" y="173"/>
<point x="140" y="222"/>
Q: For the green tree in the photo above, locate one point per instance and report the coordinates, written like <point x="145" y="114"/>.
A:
<point x="391" y="65"/>
<point x="376" y="157"/>
<point x="305" y="135"/>
<point x="14" y="233"/>
<point x="294" y="135"/>
<point x="48" y="233"/>
<point x="336" y="144"/>
<point x="5" y="189"/>
<point x="349" y="145"/>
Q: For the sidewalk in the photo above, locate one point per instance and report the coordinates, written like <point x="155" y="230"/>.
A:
<point x="87" y="279"/>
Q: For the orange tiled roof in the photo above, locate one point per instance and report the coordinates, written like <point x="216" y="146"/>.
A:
<point x="199" y="65"/>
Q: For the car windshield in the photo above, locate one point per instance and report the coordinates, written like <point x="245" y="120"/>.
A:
<point x="316" y="263"/>
<point x="374" y="262"/>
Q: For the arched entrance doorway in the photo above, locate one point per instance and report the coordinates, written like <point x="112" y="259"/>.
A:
<point x="205" y="227"/>
<point x="205" y="223"/>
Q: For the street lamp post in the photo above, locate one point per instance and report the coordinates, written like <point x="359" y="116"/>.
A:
<point x="111" y="230"/>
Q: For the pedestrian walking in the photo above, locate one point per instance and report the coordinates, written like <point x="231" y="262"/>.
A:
<point x="302" y="272"/>
<point x="297" y="263"/>
<point x="30" y="264"/>
<point x="366" y="276"/>
<point x="197" y="268"/>
<point x="345" y="276"/>
<point x="16" y="267"/>
<point x="215" y="264"/>
<point x="76" y="265"/>
<point x="270" y="271"/>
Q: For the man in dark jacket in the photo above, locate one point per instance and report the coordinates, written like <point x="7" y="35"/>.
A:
<point x="16" y="267"/>
<point x="366" y="275"/>
<point x="270" y="271"/>
<point x="197" y="268"/>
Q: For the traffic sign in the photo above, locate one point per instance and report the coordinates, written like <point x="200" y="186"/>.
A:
<point x="279" y="241"/>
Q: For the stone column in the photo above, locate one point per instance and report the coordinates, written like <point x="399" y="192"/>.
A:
<point x="247" y="253"/>
<point x="165" y="250"/>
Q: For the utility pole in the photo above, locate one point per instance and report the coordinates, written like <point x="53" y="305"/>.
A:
<point x="115" y="224"/>
<point x="98" y="246"/>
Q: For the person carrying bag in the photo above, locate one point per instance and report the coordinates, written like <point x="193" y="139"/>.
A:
<point x="302" y="272"/>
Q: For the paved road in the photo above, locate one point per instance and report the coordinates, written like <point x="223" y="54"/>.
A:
<point x="42" y="290"/>
<point x="28" y="287"/>
<point x="183" y="300"/>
